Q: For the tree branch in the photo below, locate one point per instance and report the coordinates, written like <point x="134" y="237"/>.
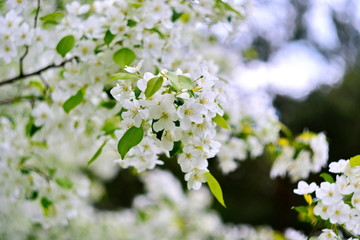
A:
<point x="19" y="99"/>
<point x="37" y="13"/>
<point x="23" y="76"/>
<point x="21" y="65"/>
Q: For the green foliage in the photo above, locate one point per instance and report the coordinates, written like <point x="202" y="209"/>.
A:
<point x="220" y="121"/>
<point x="153" y="85"/>
<point x="215" y="188"/>
<point x="109" y="37"/>
<point x="124" y="76"/>
<point x="131" y="138"/>
<point x="73" y="101"/>
<point x="48" y="206"/>
<point x="250" y="54"/>
<point x="355" y="161"/>
<point x="175" y="16"/>
<point x="52" y="18"/>
<point x="111" y="124"/>
<point x="64" y="182"/>
<point x="177" y="149"/>
<point x="327" y="177"/>
<point x="223" y="6"/>
<point x="31" y="128"/>
<point x="45" y="203"/>
<point x="65" y="45"/>
<point x="301" y="209"/>
<point x="135" y="4"/>
<point x="98" y="152"/>
<point x="179" y="82"/>
<point x="124" y="57"/>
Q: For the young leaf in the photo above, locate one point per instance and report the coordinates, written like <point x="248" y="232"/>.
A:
<point x="108" y="37"/>
<point x="111" y="124"/>
<point x="215" y="188"/>
<point x="355" y="161"/>
<point x="124" y="56"/>
<point x="219" y="120"/>
<point x="53" y="18"/>
<point x="131" y="138"/>
<point x="64" y="182"/>
<point x="47" y="206"/>
<point x="179" y="82"/>
<point x="65" y="45"/>
<point x="301" y="209"/>
<point x="185" y="82"/>
<point x="31" y="128"/>
<point x="73" y="101"/>
<point x="223" y="5"/>
<point x="327" y="177"/>
<point x="124" y="76"/>
<point x="46" y="203"/>
<point x="98" y="152"/>
<point x="153" y="85"/>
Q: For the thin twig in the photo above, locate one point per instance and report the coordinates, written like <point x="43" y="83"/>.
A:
<point x="21" y="65"/>
<point x="37" y="13"/>
<point x="21" y="61"/>
<point x="18" y="99"/>
<point x="23" y="76"/>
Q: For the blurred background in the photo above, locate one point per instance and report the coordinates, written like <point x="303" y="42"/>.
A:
<point x="304" y="56"/>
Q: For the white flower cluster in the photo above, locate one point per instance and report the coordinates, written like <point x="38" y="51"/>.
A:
<point x="254" y="127"/>
<point x="28" y="182"/>
<point x="337" y="201"/>
<point x="164" y="211"/>
<point x="64" y="114"/>
<point x="306" y="154"/>
<point x="173" y="119"/>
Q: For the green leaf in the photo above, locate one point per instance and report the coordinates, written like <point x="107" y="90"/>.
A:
<point x="108" y="37"/>
<point x="53" y="18"/>
<point x="46" y="203"/>
<point x="64" y="182"/>
<point x="327" y="177"/>
<point x="108" y="104"/>
<point x="48" y="207"/>
<point x="111" y="124"/>
<point x="131" y="138"/>
<point x="179" y="82"/>
<point x="31" y="128"/>
<point x="219" y="120"/>
<point x="153" y="85"/>
<point x="65" y="45"/>
<point x="124" y="76"/>
<point x="38" y="84"/>
<point x="177" y="149"/>
<point x="73" y="101"/>
<point x="98" y="152"/>
<point x="225" y="6"/>
<point x="135" y="4"/>
<point x="124" y="57"/>
<point x="32" y="196"/>
<point x="185" y="17"/>
<point x="355" y="161"/>
<point x="301" y="209"/>
<point x="137" y="93"/>
<point x="131" y="23"/>
<point x="215" y="188"/>
<point x="175" y="16"/>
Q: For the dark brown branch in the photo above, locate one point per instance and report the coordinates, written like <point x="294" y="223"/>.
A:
<point x="21" y="62"/>
<point x="19" y="99"/>
<point x="21" y="68"/>
<point x="37" y="13"/>
<point x="23" y="76"/>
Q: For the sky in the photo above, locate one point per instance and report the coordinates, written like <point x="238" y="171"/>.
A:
<point x="296" y="65"/>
